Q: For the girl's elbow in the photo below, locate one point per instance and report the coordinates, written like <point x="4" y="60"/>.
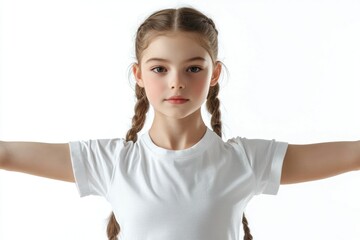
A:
<point x="3" y="155"/>
<point x="5" y="159"/>
<point x="357" y="161"/>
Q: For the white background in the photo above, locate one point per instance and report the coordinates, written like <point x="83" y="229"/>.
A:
<point x="293" y="75"/>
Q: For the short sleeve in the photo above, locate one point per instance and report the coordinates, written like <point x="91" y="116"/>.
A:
<point x="93" y="163"/>
<point x="266" y="159"/>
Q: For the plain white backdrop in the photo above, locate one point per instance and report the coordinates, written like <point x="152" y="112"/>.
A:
<point x="294" y="75"/>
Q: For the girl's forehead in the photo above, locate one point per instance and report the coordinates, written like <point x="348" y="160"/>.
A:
<point x="175" y="45"/>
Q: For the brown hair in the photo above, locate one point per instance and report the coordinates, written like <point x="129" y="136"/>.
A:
<point x="164" y="21"/>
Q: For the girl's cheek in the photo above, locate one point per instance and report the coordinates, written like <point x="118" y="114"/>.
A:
<point x="155" y="89"/>
<point x="201" y="87"/>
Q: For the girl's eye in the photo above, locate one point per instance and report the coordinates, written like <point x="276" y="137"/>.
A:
<point x="194" y="69"/>
<point x="158" y="69"/>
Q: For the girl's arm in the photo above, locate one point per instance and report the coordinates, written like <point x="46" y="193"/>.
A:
<point x="41" y="159"/>
<point x="316" y="161"/>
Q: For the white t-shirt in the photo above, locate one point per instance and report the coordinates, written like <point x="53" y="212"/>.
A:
<point x="195" y="194"/>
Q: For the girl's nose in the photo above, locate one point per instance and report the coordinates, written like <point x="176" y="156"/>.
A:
<point x="177" y="82"/>
<point x="177" y="86"/>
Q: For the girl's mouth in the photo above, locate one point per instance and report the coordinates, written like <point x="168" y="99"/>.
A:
<point x="177" y="100"/>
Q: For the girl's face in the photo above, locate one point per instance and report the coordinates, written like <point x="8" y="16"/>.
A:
<point x="176" y="72"/>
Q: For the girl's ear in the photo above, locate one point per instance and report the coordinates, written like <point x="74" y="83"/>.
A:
<point x="216" y="74"/>
<point x="137" y="74"/>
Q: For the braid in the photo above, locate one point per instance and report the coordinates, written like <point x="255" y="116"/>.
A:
<point x="113" y="228"/>
<point x="211" y="22"/>
<point x="213" y="106"/>
<point x="247" y="234"/>
<point x="138" y="121"/>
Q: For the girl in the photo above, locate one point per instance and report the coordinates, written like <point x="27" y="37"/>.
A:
<point x="179" y="180"/>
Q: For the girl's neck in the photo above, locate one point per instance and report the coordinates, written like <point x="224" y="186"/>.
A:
<point x="177" y="134"/>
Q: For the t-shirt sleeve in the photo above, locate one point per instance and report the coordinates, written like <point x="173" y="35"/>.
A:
<point x="93" y="163"/>
<point x="266" y="159"/>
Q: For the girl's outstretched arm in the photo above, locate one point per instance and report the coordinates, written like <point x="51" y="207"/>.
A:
<point x="41" y="159"/>
<point x="316" y="161"/>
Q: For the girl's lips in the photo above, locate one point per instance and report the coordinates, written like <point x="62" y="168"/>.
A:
<point x="177" y="100"/>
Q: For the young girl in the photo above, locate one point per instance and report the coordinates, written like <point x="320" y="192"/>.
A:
<point x="179" y="180"/>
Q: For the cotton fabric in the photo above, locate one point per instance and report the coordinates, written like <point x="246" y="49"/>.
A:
<point x="197" y="193"/>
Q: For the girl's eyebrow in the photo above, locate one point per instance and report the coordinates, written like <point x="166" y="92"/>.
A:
<point x="165" y="60"/>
